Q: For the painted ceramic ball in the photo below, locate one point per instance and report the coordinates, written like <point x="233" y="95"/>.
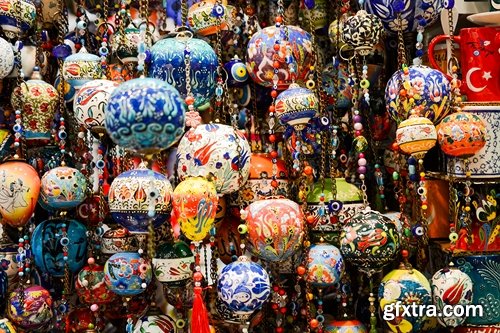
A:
<point x="462" y="134"/>
<point x="243" y="286"/>
<point x="145" y="115"/>
<point x="275" y="228"/>
<point x="8" y="262"/>
<point x="237" y="74"/>
<point x="167" y="63"/>
<point x="139" y="197"/>
<point x="335" y="34"/>
<point x="172" y="263"/>
<point x="6" y="326"/>
<point x="260" y="53"/>
<point x="341" y="89"/>
<point x="90" y="286"/>
<point x="90" y="103"/>
<point x="48" y="242"/>
<point x="79" y="319"/>
<point x="413" y="13"/>
<point x="213" y="149"/>
<point x="364" y="41"/>
<point x="451" y="286"/>
<point x="369" y="240"/>
<point x="37" y="100"/>
<point x="155" y="324"/>
<point x="127" y="273"/>
<point x="194" y="204"/>
<point x="7" y="58"/>
<point x="325" y="265"/>
<point x="63" y="188"/>
<point x="17" y="16"/>
<point x="408" y="286"/>
<point x="20" y="189"/>
<point x="206" y="17"/>
<point x="416" y="136"/>
<point x="124" y="46"/>
<point x="35" y="311"/>
<point x="427" y="86"/>
<point x="296" y="106"/>
<point x="345" y="326"/>
<point x="228" y="239"/>
<point x="81" y="67"/>
<point x="117" y="240"/>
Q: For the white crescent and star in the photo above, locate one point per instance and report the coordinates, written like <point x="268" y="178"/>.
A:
<point x="468" y="80"/>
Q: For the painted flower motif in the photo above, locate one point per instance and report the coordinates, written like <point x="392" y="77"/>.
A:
<point x="398" y="25"/>
<point x="412" y="297"/>
<point x="456" y="133"/>
<point x="126" y="270"/>
<point x="193" y="119"/>
<point x="36" y="91"/>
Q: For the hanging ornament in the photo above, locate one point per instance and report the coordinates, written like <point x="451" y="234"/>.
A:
<point x="127" y="273"/>
<point x="8" y="253"/>
<point x="155" y="323"/>
<point x="90" y="286"/>
<point x="139" y="197"/>
<point x="34" y="311"/>
<point x="62" y="188"/>
<point x="451" y="287"/>
<point x="117" y="240"/>
<point x="20" y="187"/>
<point x="145" y="115"/>
<point x="218" y="150"/>
<point x="228" y="240"/>
<point x="296" y="106"/>
<point x="370" y="241"/>
<point x="291" y="44"/>
<point x="237" y="72"/>
<point x="172" y="264"/>
<point x="80" y="68"/>
<point x="275" y="228"/>
<point x="207" y="17"/>
<point x="461" y="134"/>
<point x="194" y="204"/>
<point x="49" y="240"/>
<point x="168" y="64"/>
<point x="90" y="104"/>
<point x="325" y="265"/>
<point x="81" y="320"/>
<point x="17" y="17"/>
<point x="416" y="135"/>
<point x="124" y="44"/>
<point x="38" y="102"/>
<point x="362" y="32"/>
<point x="7" y="58"/>
<point x="7" y="326"/>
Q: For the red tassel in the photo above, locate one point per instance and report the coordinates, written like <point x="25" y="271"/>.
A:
<point x="199" y="317"/>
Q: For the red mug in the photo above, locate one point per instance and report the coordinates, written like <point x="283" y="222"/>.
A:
<point x="479" y="62"/>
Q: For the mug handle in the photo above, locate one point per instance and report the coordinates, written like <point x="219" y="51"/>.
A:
<point x="430" y="52"/>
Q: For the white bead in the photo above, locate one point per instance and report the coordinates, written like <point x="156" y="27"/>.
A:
<point x="362" y="162"/>
<point x="358" y="126"/>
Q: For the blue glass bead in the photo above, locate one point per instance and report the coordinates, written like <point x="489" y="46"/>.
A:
<point x="419" y="53"/>
<point x="61" y="51"/>
<point x="309" y="4"/>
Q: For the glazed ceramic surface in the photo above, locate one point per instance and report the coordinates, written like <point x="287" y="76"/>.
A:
<point x="416" y="136"/>
<point x="172" y="263"/>
<point x="35" y="311"/>
<point x="194" y="204"/>
<point x="461" y="134"/>
<point x="362" y="31"/>
<point x="345" y="326"/>
<point x="118" y="240"/>
<point x="126" y="272"/>
<point x="6" y="58"/>
<point x="430" y="89"/>
<point x="81" y="67"/>
<point x="486" y="162"/>
<point x="63" y="188"/>
<point x="17" y="16"/>
<point x="483" y="271"/>
<point x="341" y="89"/>
<point x="451" y="286"/>
<point x="275" y="228"/>
<point x="167" y="63"/>
<point x="38" y="102"/>
<point x="243" y="286"/>
<point x="318" y="15"/>
<point x="228" y="239"/>
<point x="408" y="287"/>
<point x="8" y="263"/>
<point x="47" y="245"/>
<point x="19" y="190"/>
<point x="155" y="324"/>
<point x="296" y="106"/>
<point x="90" y="104"/>
<point x="206" y="18"/>
<point x="90" y="286"/>
<point x="260" y="51"/>
<point x="124" y="45"/>
<point x="213" y="148"/>
<point x="325" y="265"/>
<point x="139" y="197"/>
<point x="237" y="72"/>
<point x="145" y="115"/>
<point x="369" y="240"/>
<point x="7" y="326"/>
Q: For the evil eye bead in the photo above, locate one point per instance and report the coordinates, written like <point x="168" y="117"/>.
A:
<point x="218" y="11"/>
<point x="418" y="231"/>
<point x="239" y="72"/>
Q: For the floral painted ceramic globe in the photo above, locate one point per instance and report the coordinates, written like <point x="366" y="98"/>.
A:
<point x="325" y="265"/>
<point x="19" y="191"/>
<point x="369" y="240"/>
<point x="451" y="287"/>
<point x="296" y="106"/>
<point x="345" y="326"/>
<point x="124" y="45"/>
<point x="428" y="87"/>
<point x="237" y="72"/>
<point x="47" y="243"/>
<point x="206" y="17"/>
<point x="80" y="318"/>
<point x="7" y="326"/>
<point x="461" y="134"/>
<point x="7" y="58"/>
<point x="63" y="188"/>
<point x="139" y="197"/>
<point x="172" y="263"/>
<point x="38" y="102"/>
<point x="416" y="136"/>
<point x="17" y="16"/>
<point x="36" y="310"/>
<point x="145" y="115"/>
<point x="243" y="286"/>
<point x="213" y="149"/>
<point x="117" y="240"/>
<point x="167" y="63"/>
<point x="127" y="273"/>
<point x="413" y="13"/>
<point x="90" y="104"/>
<point x="362" y="32"/>
<point x="275" y="228"/>
<point x="80" y="68"/>
<point x="155" y="324"/>
<point x="336" y="85"/>
<point x="194" y="204"/>
<point x="260" y="52"/>
<point x="408" y="286"/>
<point x="90" y="286"/>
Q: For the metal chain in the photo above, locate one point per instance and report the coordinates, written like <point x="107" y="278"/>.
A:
<point x="401" y="45"/>
<point x="184" y="11"/>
